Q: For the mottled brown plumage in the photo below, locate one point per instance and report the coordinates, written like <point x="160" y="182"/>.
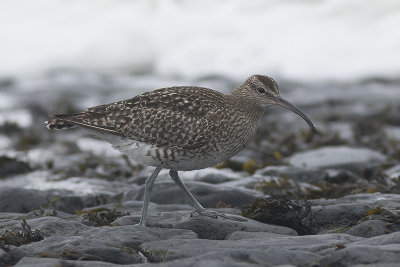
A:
<point x="181" y="128"/>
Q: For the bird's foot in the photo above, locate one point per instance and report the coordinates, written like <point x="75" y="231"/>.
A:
<point x="213" y="214"/>
<point x="140" y="225"/>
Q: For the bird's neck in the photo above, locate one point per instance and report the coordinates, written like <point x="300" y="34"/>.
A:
<point x="245" y="105"/>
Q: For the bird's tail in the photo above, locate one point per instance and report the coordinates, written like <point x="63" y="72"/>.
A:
<point x="59" y="122"/>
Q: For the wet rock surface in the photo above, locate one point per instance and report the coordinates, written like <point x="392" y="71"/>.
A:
<point x="329" y="199"/>
<point x="337" y="157"/>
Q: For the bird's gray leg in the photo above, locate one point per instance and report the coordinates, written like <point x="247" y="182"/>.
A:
<point x="148" y="186"/>
<point x="198" y="207"/>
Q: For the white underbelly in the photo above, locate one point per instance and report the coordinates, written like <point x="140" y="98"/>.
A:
<point x="169" y="158"/>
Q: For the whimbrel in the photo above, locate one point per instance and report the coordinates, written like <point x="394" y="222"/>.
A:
<point x="181" y="128"/>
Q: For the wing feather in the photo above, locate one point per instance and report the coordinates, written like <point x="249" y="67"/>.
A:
<point x="172" y="117"/>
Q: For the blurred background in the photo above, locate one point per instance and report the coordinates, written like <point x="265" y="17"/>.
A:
<point x="303" y="40"/>
<point x="338" y="60"/>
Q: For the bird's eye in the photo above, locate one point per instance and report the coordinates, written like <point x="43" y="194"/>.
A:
<point x="260" y="90"/>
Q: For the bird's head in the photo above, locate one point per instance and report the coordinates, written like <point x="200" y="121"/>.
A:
<point x="264" y="92"/>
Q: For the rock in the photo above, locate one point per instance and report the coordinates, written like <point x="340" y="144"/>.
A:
<point x="349" y="256"/>
<point x="203" y="226"/>
<point x="54" y="226"/>
<point x="393" y="176"/>
<point x="393" y="172"/>
<point x="369" y="229"/>
<point x="109" y="244"/>
<point x="77" y="247"/>
<point x="254" y="182"/>
<point x="12" y="166"/>
<point x="375" y="250"/>
<point x="125" y="208"/>
<point x="207" y="194"/>
<point x="236" y="259"/>
<point x="337" y="157"/>
<point x="49" y="212"/>
<point x="244" y="258"/>
<point x="392" y="238"/>
<point x="212" y="175"/>
<point x="341" y="176"/>
<point x="211" y="228"/>
<point x="15" y="199"/>
<point x="344" y="130"/>
<point x="373" y="200"/>
<point x="2" y="253"/>
<point x="49" y="262"/>
<point x="297" y="249"/>
<point x="339" y="217"/>
<point x="295" y="173"/>
<point x="132" y="236"/>
<point x="207" y="175"/>
<point x="239" y="235"/>
<point x="91" y="165"/>
<point x="9" y="219"/>
<point x="70" y="203"/>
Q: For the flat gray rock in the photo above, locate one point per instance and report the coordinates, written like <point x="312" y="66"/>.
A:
<point x="213" y="176"/>
<point x="374" y="200"/>
<point x="12" y="165"/>
<point x="76" y="247"/>
<point x="10" y="218"/>
<point x="132" y="236"/>
<point x="15" y="200"/>
<point x="45" y="212"/>
<point x="245" y="258"/>
<point x="207" y="194"/>
<point x="369" y="229"/>
<point x="239" y="235"/>
<point x="49" y="262"/>
<point x="383" y="249"/>
<point x="3" y="254"/>
<point x="339" y="215"/>
<point x="135" y="207"/>
<point x="253" y="258"/>
<point x="208" y="175"/>
<point x="295" y="173"/>
<point x="392" y="238"/>
<point x="336" y="157"/>
<point x="54" y="226"/>
<point x="168" y="250"/>
<point x="206" y="227"/>
<point x="108" y="244"/>
<point x="351" y="255"/>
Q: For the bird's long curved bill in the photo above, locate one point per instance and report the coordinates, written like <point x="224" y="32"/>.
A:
<point x="286" y="104"/>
